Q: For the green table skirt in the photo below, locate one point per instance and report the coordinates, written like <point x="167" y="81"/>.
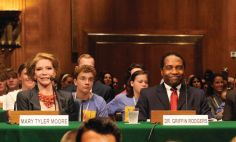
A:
<point x="215" y="132"/>
<point x="3" y="116"/>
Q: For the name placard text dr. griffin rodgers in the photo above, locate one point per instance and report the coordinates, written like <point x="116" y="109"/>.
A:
<point x="185" y="120"/>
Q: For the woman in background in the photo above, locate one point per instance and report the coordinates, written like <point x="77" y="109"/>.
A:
<point x="43" y="68"/>
<point x="215" y="92"/>
<point x="3" y="88"/>
<point x="196" y="82"/>
<point x="26" y="83"/>
<point x="65" y="81"/>
<point x="107" y="79"/>
<point x="124" y="103"/>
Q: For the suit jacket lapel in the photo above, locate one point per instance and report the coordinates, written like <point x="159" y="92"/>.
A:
<point x="60" y="100"/>
<point x="162" y="94"/>
<point x="34" y="99"/>
<point x="182" y="97"/>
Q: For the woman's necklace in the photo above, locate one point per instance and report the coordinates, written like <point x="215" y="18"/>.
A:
<point x="48" y="100"/>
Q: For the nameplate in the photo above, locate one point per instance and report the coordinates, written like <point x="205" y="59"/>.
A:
<point x="185" y="120"/>
<point x="44" y="120"/>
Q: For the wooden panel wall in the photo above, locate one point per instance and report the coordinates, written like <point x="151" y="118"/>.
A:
<point x="45" y="28"/>
<point x="115" y="52"/>
<point x="214" y="18"/>
<point x="5" y="57"/>
<point x="46" y="25"/>
<point x="118" y="58"/>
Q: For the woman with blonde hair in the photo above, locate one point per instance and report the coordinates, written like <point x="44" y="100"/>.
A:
<point x="43" y="68"/>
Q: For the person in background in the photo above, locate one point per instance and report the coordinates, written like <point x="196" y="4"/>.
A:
<point x="225" y="73"/>
<point x="116" y="83"/>
<point x="43" y="68"/>
<point x="171" y="95"/>
<point x="88" y="104"/>
<point x="3" y="87"/>
<point x="231" y="83"/>
<point x="229" y="113"/>
<point x="190" y="77"/>
<point x="3" y="83"/>
<point x="205" y="85"/>
<point x="26" y="83"/>
<point x="214" y="94"/>
<point x="107" y="79"/>
<point x="94" y="130"/>
<point x="207" y="78"/>
<point x="124" y="103"/>
<point x="12" y="80"/>
<point x="65" y="81"/>
<point x="208" y="75"/>
<point x="131" y="69"/>
<point x="196" y="82"/>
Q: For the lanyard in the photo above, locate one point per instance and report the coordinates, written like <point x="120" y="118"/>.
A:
<point x="81" y="114"/>
<point x="134" y="101"/>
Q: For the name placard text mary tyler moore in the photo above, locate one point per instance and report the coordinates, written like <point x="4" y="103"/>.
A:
<point x="44" y="120"/>
<point x="185" y="120"/>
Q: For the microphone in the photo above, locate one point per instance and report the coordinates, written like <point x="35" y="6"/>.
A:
<point x="150" y="134"/>
<point x="52" y="78"/>
<point x="54" y="82"/>
<point x="15" y="106"/>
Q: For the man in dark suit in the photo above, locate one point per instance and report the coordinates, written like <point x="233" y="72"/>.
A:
<point x="103" y="90"/>
<point x="172" y="94"/>
<point x="230" y="106"/>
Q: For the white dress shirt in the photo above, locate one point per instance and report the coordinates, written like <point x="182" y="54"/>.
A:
<point x="168" y="90"/>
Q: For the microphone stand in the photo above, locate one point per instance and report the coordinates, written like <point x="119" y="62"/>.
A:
<point x="54" y="92"/>
<point x="15" y="106"/>
<point x="186" y="93"/>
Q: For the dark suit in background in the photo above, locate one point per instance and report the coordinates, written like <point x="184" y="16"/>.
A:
<point x="71" y="88"/>
<point x="103" y="90"/>
<point x="29" y="100"/>
<point x="156" y="98"/>
<point x="230" y="106"/>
